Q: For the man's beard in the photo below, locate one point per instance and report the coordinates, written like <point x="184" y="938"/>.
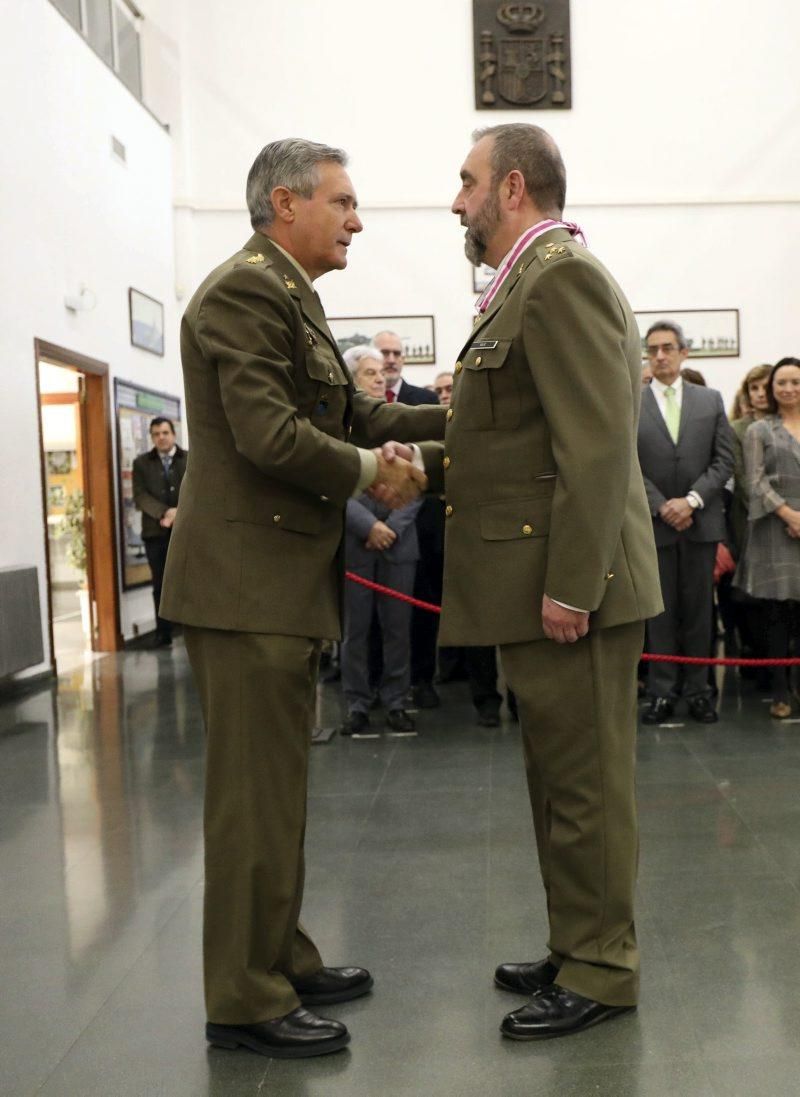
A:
<point x="480" y="228"/>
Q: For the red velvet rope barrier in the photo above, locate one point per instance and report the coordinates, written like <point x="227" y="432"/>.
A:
<point x="692" y="660"/>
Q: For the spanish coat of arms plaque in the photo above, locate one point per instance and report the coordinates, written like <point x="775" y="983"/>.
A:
<point x="522" y="55"/>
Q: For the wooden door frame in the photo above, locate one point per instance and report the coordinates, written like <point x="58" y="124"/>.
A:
<point x="99" y="478"/>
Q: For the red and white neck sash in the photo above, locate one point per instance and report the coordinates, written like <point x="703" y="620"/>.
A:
<point x="507" y="264"/>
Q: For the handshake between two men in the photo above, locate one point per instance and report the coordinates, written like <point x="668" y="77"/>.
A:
<point x="398" y="481"/>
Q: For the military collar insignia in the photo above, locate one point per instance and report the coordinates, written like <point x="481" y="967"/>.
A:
<point x="255" y="258"/>
<point x="311" y="339"/>
<point x="290" y="282"/>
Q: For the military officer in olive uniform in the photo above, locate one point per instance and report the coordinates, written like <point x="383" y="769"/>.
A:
<point x="157" y="478"/>
<point x="255" y="575"/>
<point x="549" y="553"/>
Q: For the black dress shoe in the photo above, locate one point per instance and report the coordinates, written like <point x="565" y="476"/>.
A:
<point x="425" y="696"/>
<point x="556" y="1011"/>
<point x="333" y="984"/>
<point x="525" y="978"/>
<point x="659" y="710"/>
<point x="298" y="1035"/>
<point x="399" y="721"/>
<point x="513" y="711"/>
<point x="702" y="710"/>
<point x="488" y="717"/>
<point x="355" y="724"/>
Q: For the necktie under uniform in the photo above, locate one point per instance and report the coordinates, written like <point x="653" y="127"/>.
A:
<point x="390" y="396"/>
<point x="672" y="413"/>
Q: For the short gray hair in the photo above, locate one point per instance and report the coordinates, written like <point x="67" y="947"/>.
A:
<point x="531" y="151"/>
<point x="669" y="325"/>
<point x="290" y="163"/>
<point x="353" y="356"/>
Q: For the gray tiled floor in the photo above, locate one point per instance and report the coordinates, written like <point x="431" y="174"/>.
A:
<point x="421" y="866"/>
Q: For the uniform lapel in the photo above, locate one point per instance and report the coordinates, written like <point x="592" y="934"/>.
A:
<point x="523" y="262"/>
<point x="297" y="287"/>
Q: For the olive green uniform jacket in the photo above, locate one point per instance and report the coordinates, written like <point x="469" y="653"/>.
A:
<point x="543" y="487"/>
<point x="272" y="413"/>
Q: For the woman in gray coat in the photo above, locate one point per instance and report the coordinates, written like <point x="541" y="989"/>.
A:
<point x="770" y="565"/>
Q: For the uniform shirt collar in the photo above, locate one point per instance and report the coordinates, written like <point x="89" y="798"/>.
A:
<point x="677" y="386"/>
<point x="300" y="270"/>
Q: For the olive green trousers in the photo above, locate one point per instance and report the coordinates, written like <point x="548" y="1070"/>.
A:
<point x="578" y="717"/>
<point x="257" y="694"/>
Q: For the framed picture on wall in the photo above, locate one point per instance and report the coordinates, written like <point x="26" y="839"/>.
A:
<point x="416" y="333"/>
<point x="135" y="407"/>
<point x="710" y="333"/>
<point x="147" y="322"/>
<point x="481" y="277"/>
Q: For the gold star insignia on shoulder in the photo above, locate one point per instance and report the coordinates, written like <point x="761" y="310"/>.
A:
<point x="290" y="282"/>
<point x="256" y="258"/>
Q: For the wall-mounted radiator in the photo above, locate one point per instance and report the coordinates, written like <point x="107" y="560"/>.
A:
<point x="20" y="620"/>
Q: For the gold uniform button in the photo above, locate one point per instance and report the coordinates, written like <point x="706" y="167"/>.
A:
<point x="276" y="518"/>
<point x="478" y="360"/>
<point x="448" y="510"/>
<point x="459" y="367"/>
<point x="527" y="530"/>
<point x="449" y="415"/>
<point x="446" y="462"/>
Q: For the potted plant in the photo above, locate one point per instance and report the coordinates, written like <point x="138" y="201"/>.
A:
<point x="73" y="527"/>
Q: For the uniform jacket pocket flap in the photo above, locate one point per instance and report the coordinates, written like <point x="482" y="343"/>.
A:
<point x="324" y="367"/>
<point x="515" y="519"/>
<point x="487" y="354"/>
<point x="293" y="518"/>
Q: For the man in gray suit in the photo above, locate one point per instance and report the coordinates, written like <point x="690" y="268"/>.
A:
<point x="686" y="452"/>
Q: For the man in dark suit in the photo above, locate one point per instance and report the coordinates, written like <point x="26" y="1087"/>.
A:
<point x="397" y="388"/>
<point x="157" y="477"/>
<point x="686" y="451"/>
<point x="255" y="575"/>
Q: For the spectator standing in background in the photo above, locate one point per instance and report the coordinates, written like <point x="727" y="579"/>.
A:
<point x="390" y="346"/>
<point x="380" y="545"/>
<point x="686" y="456"/>
<point x="157" y="478"/>
<point x="770" y="565"/>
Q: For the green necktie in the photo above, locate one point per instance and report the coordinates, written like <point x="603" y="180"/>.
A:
<point x="672" y="412"/>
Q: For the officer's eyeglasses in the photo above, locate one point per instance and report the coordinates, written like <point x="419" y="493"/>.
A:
<point x="667" y="348"/>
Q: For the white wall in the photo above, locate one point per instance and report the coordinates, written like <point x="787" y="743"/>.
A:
<point x="72" y="215"/>
<point x="683" y="148"/>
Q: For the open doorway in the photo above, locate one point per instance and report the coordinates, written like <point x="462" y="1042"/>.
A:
<point x="78" y="506"/>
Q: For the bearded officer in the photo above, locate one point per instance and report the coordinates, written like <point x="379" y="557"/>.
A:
<point x="254" y="573"/>
<point x="549" y="553"/>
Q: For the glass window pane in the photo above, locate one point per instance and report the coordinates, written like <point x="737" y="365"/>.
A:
<point x="128" y="64"/>
<point x="98" y="28"/>
<point x="72" y="10"/>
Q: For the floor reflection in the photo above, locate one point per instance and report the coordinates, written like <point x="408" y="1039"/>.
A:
<point x="420" y="864"/>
